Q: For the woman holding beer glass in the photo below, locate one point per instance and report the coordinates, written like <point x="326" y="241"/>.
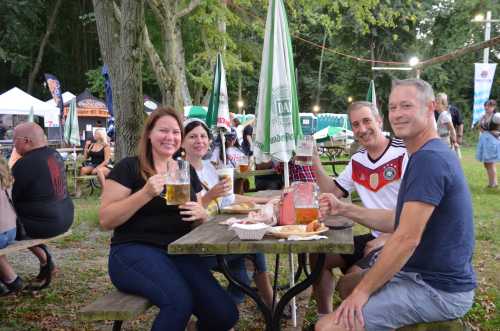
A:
<point x="144" y="224"/>
<point x="218" y="194"/>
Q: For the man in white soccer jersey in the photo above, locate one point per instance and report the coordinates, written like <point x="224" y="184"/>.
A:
<point x="374" y="172"/>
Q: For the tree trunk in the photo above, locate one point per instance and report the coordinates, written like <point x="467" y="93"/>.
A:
<point x="118" y="31"/>
<point x="130" y="117"/>
<point x="181" y="67"/>
<point x="41" y="49"/>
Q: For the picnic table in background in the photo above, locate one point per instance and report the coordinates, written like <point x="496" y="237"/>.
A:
<point x="213" y="238"/>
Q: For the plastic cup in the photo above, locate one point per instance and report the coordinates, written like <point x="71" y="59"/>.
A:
<point x="226" y="173"/>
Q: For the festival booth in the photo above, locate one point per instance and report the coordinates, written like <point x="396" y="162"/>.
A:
<point x="16" y="106"/>
<point x="92" y="113"/>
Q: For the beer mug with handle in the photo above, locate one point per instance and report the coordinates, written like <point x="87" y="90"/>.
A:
<point x="177" y="183"/>
<point x="305" y="200"/>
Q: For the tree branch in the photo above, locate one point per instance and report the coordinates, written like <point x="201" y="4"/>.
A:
<point x="192" y="5"/>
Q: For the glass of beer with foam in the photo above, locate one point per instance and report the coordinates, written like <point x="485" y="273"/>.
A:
<point x="177" y="183"/>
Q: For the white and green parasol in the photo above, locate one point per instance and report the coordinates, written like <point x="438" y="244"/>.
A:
<point x="218" y="107"/>
<point x="72" y="132"/>
<point x="277" y="111"/>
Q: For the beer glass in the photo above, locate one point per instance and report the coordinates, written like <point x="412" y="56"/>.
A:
<point x="243" y="164"/>
<point x="177" y="183"/>
<point x="226" y="173"/>
<point x="305" y="200"/>
<point x="304" y="151"/>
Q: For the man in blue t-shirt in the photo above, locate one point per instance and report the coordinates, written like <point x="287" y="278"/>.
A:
<point x="424" y="273"/>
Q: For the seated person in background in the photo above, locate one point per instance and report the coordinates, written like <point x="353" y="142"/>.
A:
<point x="144" y="225"/>
<point x="10" y="282"/>
<point x="39" y="193"/>
<point x="296" y="172"/>
<point x="268" y="182"/>
<point x="217" y="195"/>
<point x="97" y="156"/>
<point x="233" y="151"/>
<point x="375" y="173"/>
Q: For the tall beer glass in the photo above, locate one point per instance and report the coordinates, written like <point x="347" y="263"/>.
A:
<point x="177" y="183"/>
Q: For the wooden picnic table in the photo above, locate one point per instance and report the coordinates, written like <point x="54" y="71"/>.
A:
<point x="212" y="238"/>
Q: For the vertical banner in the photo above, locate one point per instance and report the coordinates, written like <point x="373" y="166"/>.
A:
<point x="109" y="101"/>
<point x="483" y="79"/>
<point x="55" y="91"/>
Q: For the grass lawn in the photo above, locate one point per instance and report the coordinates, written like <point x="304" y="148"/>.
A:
<point x="82" y="275"/>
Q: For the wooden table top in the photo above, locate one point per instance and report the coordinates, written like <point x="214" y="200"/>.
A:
<point x="214" y="238"/>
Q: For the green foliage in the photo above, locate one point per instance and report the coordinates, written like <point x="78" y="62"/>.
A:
<point x="95" y="82"/>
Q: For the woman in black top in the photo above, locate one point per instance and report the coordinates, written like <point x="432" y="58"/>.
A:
<point x="97" y="157"/>
<point x="144" y="226"/>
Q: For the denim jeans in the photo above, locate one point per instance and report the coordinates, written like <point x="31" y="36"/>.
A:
<point x="179" y="285"/>
<point x="7" y="237"/>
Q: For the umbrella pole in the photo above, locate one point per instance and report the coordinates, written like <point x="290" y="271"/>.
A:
<point x="290" y="255"/>
<point x="223" y="143"/>
<point x="74" y="167"/>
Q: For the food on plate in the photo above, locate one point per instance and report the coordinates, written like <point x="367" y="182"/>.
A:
<point x="313" y="226"/>
<point x="242" y="206"/>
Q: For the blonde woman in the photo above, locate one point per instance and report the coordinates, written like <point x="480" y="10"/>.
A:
<point x="97" y="156"/>
<point x="9" y="280"/>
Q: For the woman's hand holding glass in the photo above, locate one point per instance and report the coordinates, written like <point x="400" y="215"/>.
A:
<point x="154" y="186"/>
<point x="220" y="189"/>
<point x="193" y="211"/>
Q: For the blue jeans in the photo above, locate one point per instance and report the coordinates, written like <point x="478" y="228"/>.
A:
<point x="7" y="237"/>
<point x="238" y="269"/>
<point x="179" y="285"/>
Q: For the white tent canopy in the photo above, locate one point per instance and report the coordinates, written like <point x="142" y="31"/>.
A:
<point x="66" y="96"/>
<point x="17" y="102"/>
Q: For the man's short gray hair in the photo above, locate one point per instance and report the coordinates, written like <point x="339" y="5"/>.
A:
<point x="362" y="104"/>
<point x="424" y="89"/>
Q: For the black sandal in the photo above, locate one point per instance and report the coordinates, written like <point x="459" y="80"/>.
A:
<point x="8" y="288"/>
<point x="46" y="270"/>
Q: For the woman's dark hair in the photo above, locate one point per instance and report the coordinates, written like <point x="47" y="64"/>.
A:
<point x="193" y="125"/>
<point x="144" y="149"/>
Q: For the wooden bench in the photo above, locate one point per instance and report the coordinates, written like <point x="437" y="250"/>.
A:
<point x="25" y="244"/>
<point x="451" y="325"/>
<point x="115" y="306"/>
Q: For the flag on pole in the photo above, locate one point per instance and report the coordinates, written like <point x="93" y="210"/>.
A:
<point x="371" y="96"/>
<point x="109" y="101"/>
<point x="218" y="106"/>
<point x="277" y="111"/>
<point x="483" y="79"/>
<point x="55" y="91"/>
